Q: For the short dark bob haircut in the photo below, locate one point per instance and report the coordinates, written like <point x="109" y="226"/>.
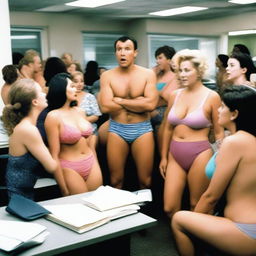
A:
<point x="56" y="95"/>
<point x="167" y="50"/>
<point x="243" y="99"/>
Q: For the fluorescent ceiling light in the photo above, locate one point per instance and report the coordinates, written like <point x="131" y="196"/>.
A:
<point x="92" y="3"/>
<point x="242" y="1"/>
<point x="242" y="32"/>
<point x="177" y="11"/>
<point x="17" y="37"/>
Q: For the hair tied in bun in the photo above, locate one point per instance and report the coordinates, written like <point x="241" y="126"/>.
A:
<point x="16" y="106"/>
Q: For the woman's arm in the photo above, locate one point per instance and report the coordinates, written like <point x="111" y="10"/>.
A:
<point x="52" y="128"/>
<point x="167" y="129"/>
<point x="227" y="160"/>
<point x="217" y="129"/>
<point x="35" y="145"/>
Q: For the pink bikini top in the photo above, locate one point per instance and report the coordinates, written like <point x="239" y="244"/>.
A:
<point x="71" y="135"/>
<point x="195" y="120"/>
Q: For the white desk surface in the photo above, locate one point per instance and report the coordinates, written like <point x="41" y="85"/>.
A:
<point x="62" y="239"/>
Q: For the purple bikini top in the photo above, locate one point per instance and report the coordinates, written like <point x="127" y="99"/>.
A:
<point x="195" y="120"/>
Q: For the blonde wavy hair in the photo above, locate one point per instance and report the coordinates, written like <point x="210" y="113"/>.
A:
<point x="195" y="56"/>
<point x="21" y="94"/>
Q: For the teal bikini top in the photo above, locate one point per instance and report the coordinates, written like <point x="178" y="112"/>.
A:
<point x="160" y="86"/>
<point x="211" y="166"/>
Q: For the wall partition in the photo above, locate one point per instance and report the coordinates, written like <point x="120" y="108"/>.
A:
<point x="100" y="47"/>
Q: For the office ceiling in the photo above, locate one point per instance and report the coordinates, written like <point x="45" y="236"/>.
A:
<point x="135" y="9"/>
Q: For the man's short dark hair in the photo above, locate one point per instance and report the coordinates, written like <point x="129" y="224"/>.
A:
<point x="126" y="38"/>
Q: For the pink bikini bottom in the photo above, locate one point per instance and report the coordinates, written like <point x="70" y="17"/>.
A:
<point x="186" y="152"/>
<point x="83" y="167"/>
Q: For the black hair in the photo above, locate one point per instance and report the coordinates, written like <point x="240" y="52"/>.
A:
<point x="53" y="66"/>
<point x="16" y="57"/>
<point x="56" y="95"/>
<point x="126" y="38"/>
<point x="224" y="59"/>
<point x="91" y="72"/>
<point x="168" y="51"/>
<point x="241" y="48"/>
<point x="243" y="99"/>
<point x="245" y="61"/>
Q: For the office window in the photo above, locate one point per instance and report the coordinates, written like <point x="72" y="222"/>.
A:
<point x="23" y="39"/>
<point x="206" y="44"/>
<point x="100" y="47"/>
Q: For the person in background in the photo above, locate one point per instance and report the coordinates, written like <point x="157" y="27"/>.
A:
<point x="234" y="174"/>
<point x="91" y="74"/>
<point x="239" y="69"/>
<point x="67" y="58"/>
<point x="67" y="132"/>
<point x="221" y="63"/>
<point x="96" y="85"/>
<point x="166" y="83"/>
<point x="16" y="57"/>
<point x="73" y="67"/>
<point x="185" y="151"/>
<point x="26" y="148"/>
<point x="30" y="66"/>
<point x="89" y="104"/>
<point x="128" y="94"/>
<point x="241" y="48"/>
<point x="10" y="75"/>
<point x="53" y="66"/>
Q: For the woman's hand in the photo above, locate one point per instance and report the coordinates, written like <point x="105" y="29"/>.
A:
<point x="163" y="167"/>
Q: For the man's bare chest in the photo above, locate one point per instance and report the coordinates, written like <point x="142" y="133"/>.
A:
<point x="128" y="89"/>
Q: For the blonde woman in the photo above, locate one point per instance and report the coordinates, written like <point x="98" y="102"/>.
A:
<point x="26" y="147"/>
<point x="185" y="147"/>
<point x="234" y="174"/>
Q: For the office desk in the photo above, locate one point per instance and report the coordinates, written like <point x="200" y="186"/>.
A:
<point x="114" y="235"/>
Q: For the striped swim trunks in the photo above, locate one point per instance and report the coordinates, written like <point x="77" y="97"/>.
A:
<point x="130" y="132"/>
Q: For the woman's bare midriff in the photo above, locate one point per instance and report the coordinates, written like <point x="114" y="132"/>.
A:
<point x="184" y="133"/>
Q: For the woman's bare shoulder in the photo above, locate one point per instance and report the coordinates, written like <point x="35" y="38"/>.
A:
<point x="26" y="130"/>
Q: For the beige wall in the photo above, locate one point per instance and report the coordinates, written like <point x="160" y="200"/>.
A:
<point x="248" y="40"/>
<point x="63" y="31"/>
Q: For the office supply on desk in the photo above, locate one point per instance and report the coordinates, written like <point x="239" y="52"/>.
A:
<point x="114" y="232"/>
<point x="25" y="208"/>
<point x="76" y="217"/>
<point x="18" y="235"/>
<point x="81" y="218"/>
<point x="106" y="198"/>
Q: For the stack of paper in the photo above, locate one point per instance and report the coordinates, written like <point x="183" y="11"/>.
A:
<point x="102" y="205"/>
<point x="18" y="235"/>
<point x="77" y="217"/>
<point x="106" y="198"/>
